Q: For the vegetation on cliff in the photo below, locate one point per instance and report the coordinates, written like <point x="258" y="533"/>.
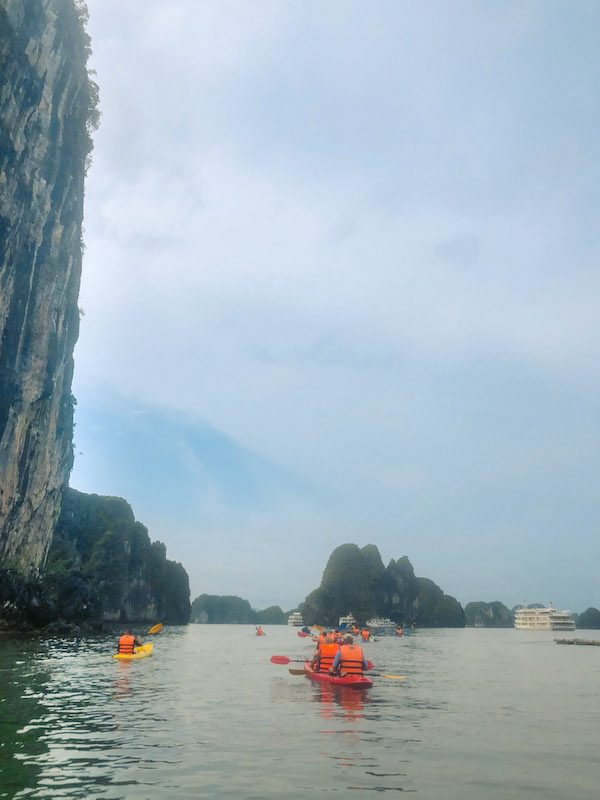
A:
<point x="99" y="543"/>
<point x="590" y="619"/>
<point x="355" y="581"/>
<point x="48" y="109"/>
<point x="228" y="609"/>
<point x="488" y="615"/>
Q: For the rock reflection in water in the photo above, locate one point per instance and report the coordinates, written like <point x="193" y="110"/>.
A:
<point x="21" y="728"/>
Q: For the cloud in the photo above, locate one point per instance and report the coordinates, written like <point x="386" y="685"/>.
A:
<point x="338" y="237"/>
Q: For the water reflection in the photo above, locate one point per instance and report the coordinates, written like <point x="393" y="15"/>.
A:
<point x="21" y="730"/>
<point x="340" y="702"/>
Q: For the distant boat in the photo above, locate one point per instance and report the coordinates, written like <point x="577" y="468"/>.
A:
<point x="381" y="623"/>
<point x="543" y="619"/>
<point x="345" y="622"/>
<point x="296" y="620"/>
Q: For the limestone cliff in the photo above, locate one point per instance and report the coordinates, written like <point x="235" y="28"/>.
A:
<point x="488" y="615"/>
<point x="355" y="581"/>
<point x="47" y="107"/>
<point x="102" y="564"/>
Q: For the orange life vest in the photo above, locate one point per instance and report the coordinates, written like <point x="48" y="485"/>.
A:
<point x="355" y="631"/>
<point x="259" y="631"/>
<point x="127" y="644"/>
<point x="399" y="632"/>
<point x="327" y="654"/>
<point x="365" y="636"/>
<point x="351" y="661"/>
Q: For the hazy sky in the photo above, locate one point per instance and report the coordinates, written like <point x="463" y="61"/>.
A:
<point x="342" y="284"/>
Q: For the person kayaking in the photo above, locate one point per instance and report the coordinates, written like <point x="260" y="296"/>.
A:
<point x="355" y="631"/>
<point x="322" y="660"/>
<point x="260" y="632"/>
<point x="365" y="635"/>
<point x="349" y="660"/>
<point x="399" y="631"/>
<point x="128" y="643"/>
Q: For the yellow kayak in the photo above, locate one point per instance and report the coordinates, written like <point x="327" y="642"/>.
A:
<point x="139" y="652"/>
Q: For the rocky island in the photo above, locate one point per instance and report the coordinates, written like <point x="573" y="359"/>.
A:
<point x="355" y="581"/>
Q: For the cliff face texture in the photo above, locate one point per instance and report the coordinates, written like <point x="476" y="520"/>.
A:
<point x="100" y="548"/>
<point x="47" y="106"/>
<point x="355" y="581"/>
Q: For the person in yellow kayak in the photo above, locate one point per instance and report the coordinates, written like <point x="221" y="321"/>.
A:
<point x="128" y="643"/>
<point x="349" y="660"/>
<point x="322" y="660"/>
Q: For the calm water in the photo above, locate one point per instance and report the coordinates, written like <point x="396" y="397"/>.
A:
<point x="481" y="715"/>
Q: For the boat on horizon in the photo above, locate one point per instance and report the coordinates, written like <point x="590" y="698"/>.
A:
<point x="543" y="619"/>
<point x="295" y="620"/>
<point x="381" y="623"/>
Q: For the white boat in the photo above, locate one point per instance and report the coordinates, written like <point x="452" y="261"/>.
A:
<point x="543" y="619"/>
<point x="348" y="620"/>
<point x="296" y="620"/>
<point x="381" y="623"/>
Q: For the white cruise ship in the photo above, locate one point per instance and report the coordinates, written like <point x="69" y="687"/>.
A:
<point x="381" y="623"/>
<point x="543" y="619"/>
<point x="296" y="620"/>
<point x="347" y="621"/>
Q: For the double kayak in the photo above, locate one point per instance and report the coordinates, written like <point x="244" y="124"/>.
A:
<point x="139" y="652"/>
<point x="352" y="681"/>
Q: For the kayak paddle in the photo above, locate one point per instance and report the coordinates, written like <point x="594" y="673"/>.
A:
<point x="297" y="671"/>
<point x="303" y="635"/>
<point x="383" y="675"/>
<point x="286" y="660"/>
<point x="155" y="628"/>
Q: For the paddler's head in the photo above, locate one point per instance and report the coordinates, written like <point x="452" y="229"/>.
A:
<point x="329" y="639"/>
<point x="348" y="638"/>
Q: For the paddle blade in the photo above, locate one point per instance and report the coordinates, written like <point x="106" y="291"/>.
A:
<point x="280" y="660"/>
<point x="296" y="672"/>
<point x="395" y="677"/>
<point x="155" y="628"/>
<point x="318" y="627"/>
<point x="303" y="635"/>
<point x="305" y="629"/>
<point x="369" y="665"/>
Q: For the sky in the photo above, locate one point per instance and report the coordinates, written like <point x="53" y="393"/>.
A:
<point x="341" y="284"/>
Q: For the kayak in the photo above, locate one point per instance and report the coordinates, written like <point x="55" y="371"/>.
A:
<point x="352" y="681"/>
<point x="139" y="652"/>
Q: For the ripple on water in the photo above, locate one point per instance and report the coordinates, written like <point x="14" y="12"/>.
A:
<point x="477" y="717"/>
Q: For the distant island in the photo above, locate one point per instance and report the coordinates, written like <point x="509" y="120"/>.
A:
<point x="211" y="609"/>
<point x="356" y="582"/>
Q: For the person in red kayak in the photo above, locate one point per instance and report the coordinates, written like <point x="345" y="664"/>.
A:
<point x="128" y="643"/>
<point x="322" y="660"/>
<point x="365" y="635"/>
<point x="260" y="632"/>
<point x="349" y="660"/>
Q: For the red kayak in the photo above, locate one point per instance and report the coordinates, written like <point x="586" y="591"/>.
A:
<point x="352" y="681"/>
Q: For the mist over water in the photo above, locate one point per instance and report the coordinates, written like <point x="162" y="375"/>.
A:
<point x="481" y="714"/>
